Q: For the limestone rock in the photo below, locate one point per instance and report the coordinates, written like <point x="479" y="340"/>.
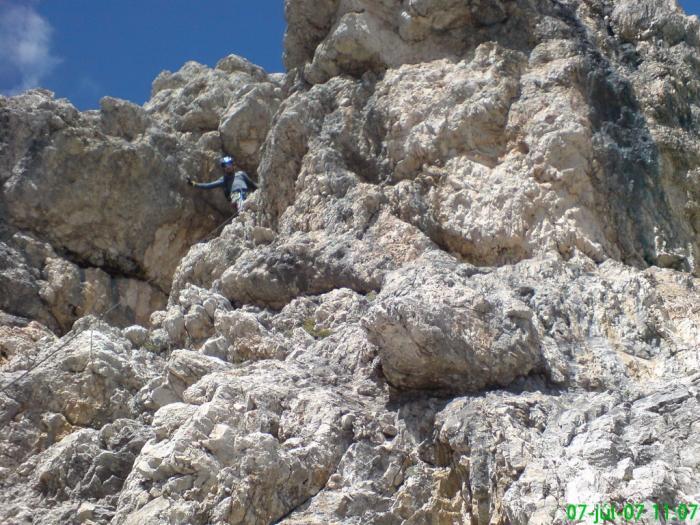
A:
<point x="110" y="171"/>
<point x="87" y="464"/>
<point x="236" y="100"/>
<point x="256" y="446"/>
<point x="465" y="292"/>
<point x="136" y="334"/>
<point x="88" y="379"/>
<point x="121" y="118"/>
<point x="538" y="174"/>
<point x="435" y="331"/>
<point x="19" y="289"/>
<point x="245" y="124"/>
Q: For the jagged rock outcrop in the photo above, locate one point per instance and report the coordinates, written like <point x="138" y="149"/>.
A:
<point x="466" y="291"/>
<point x="95" y="203"/>
<point x="530" y="132"/>
<point x="470" y="337"/>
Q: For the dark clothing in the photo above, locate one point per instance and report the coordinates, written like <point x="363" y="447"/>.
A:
<point x="238" y="196"/>
<point x="238" y="183"/>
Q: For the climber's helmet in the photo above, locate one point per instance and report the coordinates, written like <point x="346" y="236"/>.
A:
<point x="226" y="162"/>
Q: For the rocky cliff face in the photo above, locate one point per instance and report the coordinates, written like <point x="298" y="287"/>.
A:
<point x="466" y="291"/>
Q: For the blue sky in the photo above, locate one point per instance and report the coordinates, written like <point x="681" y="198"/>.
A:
<point x="86" y="49"/>
<point x="692" y="7"/>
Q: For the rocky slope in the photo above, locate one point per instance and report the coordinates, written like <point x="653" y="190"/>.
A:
<point x="466" y="292"/>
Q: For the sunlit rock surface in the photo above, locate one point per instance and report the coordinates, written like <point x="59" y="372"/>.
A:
<point x="467" y="290"/>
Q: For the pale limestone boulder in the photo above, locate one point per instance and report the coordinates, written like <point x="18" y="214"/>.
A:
<point x="232" y="104"/>
<point x="632" y="322"/>
<point x="336" y="38"/>
<point x="246" y="122"/>
<point x="195" y="296"/>
<point x="91" y="378"/>
<point x="174" y="324"/>
<point x="198" y="323"/>
<point x="205" y="262"/>
<point x="514" y="168"/>
<point x="246" y="339"/>
<point x="21" y="342"/>
<point x="194" y="98"/>
<point x="438" y="329"/>
<point x="138" y="335"/>
<point x="87" y="464"/>
<point x="121" y="118"/>
<point x="63" y="434"/>
<point x="599" y="440"/>
<point x="80" y="156"/>
<point x="171" y="417"/>
<point x="308" y="23"/>
<point x="20" y="286"/>
<point x="274" y="275"/>
<point x="185" y="368"/>
<point x="70" y="292"/>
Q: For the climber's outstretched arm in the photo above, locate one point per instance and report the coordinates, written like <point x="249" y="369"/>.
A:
<point x="206" y="185"/>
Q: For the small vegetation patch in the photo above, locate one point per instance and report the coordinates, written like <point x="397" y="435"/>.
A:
<point x="150" y="346"/>
<point x="316" y="333"/>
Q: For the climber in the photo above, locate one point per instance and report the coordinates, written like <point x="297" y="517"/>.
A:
<point x="236" y="184"/>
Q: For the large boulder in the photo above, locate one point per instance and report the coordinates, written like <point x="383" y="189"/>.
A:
<point x="438" y="327"/>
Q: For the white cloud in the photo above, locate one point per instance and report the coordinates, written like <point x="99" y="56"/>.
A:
<point x="25" y="47"/>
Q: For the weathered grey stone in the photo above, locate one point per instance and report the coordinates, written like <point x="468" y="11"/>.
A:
<point x="122" y="118"/>
<point x="138" y="335"/>
<point x="142" y="155"/>
<point x="465" y="292"/>
<point x="437" y="330"/>
<point x="245" y="125"/>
